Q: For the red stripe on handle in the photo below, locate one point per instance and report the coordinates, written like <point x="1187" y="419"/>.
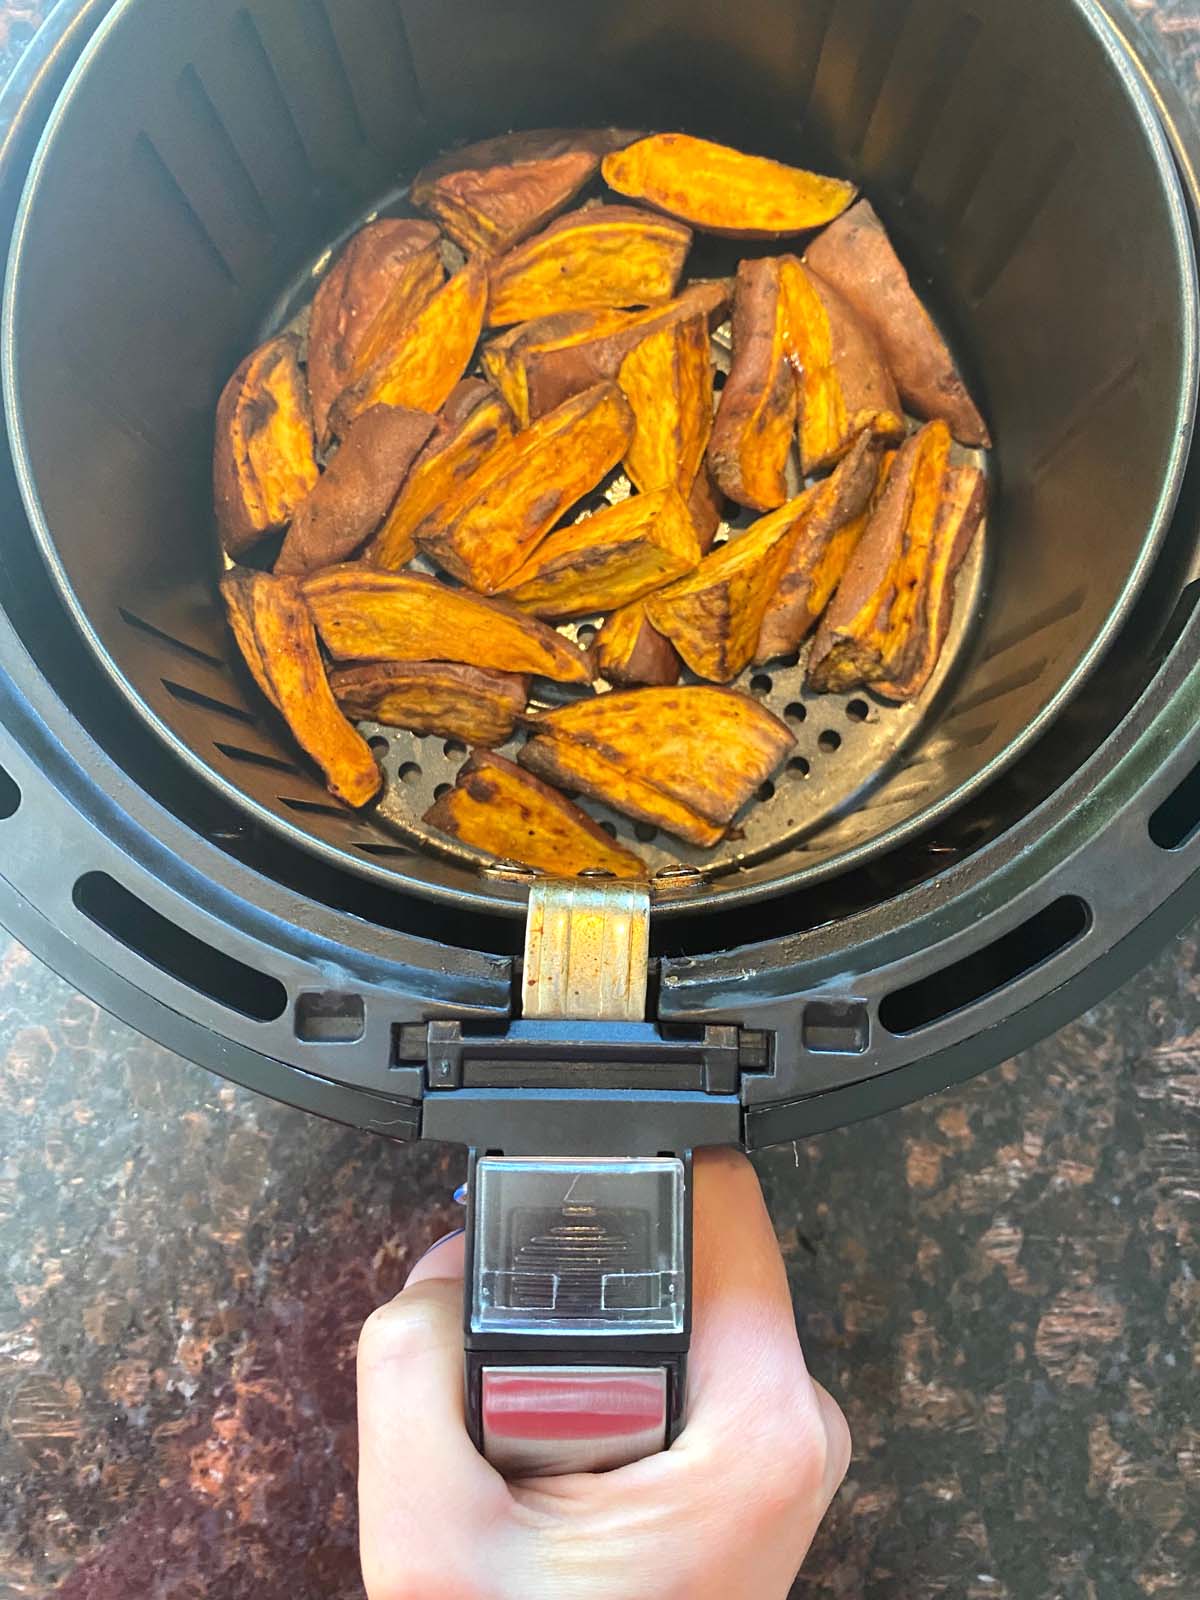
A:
<point x="537" y="1405"/>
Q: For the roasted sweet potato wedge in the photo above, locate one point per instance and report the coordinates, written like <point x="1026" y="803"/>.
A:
<point x="264" y="461"/>
<point x="501" y="514"/>
<point x="855" y="256"/>
<point x="756" y="418"/>
<point x="668" y="380"/>
<point x="497" y="807"/>
<point x="618" y="554"/>
<point x="388" y="272"/>
<point x="867" y="630"/>
<point x="713" y="616"/>
<point x="351" y="498"/>
<point x="845" y="387"/>
<point x="631" y="652"/>
<point x="540" y="364"/>
<point x="598" y="256"/>
<point x="958" y="521"/>
<point x="491" y="195"/>
<point x="720" y="190"/>
<point x="366" y="615"/>
<point x="442" y="697"/>
<point x="829" y="526"/>
<point x="422" y="365"/>
<point x="706" y="507"/>
<point x="477" y="422"/>
<point x="272" y="625"/>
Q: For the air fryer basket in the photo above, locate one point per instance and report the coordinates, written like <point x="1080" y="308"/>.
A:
<point x="205" y="158"/>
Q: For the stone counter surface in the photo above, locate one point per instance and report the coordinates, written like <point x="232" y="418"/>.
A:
<point x="999" y="1284"/>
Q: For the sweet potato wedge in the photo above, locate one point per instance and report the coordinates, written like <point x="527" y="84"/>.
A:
<point x="542" y="363"/>
<point x="829" y="526"/>
<point x="477" y="421"/>
<point x="502" y="513"/>
<point x="618" y="554"/>
<point x="855" y="257"/>
<point x="844" y="385"/>
<point x="706" y="507"/>
<point x="264" y="462"/>
<point x="388" y="272"/>
<point x="865" y="633"/>
<point x="366" y="615"/>
<point x="958" y="521"/>
<point x="272" y="624"/>
<point x="668" y="380"/>
<point x="630" y="652"/>
<point x="756" y="418"/>
<point x="490" y="195"/>
<point x="598" y="256"/>
<point x="713" y="616"/>
<point x="442" y="697"/>
<point x="422" y="365"/>
<point x="497" y="807"/>
<point x="351" y="498"/>
<point x="720" y="190"/>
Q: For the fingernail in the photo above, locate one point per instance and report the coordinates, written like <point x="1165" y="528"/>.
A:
<point x="460" y="1195"/>
<point x="438" y="1243"/>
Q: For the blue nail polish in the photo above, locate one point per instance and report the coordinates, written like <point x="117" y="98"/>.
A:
<point x="438" y="1243"/>
<point x="460" y="1195"/>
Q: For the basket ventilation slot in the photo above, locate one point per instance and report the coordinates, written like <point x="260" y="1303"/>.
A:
<point x="10" y="796"/>
<point x="1171" y="826"/>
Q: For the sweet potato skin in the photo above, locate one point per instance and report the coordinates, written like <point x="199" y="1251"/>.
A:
<point x="391" y="266"/>
<point x="722" y="191"/>
<point x="756" y="418"/>
<point x="264" y="460"/>
<point x="351" y="498"/>
<point x="856" y="258"/>
<point x="448" y="698"/>
<point x="631" y="652"/>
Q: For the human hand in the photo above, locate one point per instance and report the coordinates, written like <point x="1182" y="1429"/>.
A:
<point x="728" y="1511"/>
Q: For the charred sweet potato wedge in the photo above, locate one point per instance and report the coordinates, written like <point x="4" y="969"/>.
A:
<point x="631" y="652"/>
<point x="275" y="631"/>
<point x="866" y="632"/>
<point x="351" y="498"/>
<point x="855" y="257"/>
<point x="366" y="615"/>
<point x="844" y="385"/>
<point x="264" y="460"/>
<point x="474" y="426"/>
<point x="502" y="513"/>
<point x="720" y="190"/>
<point x="958" y="521"/>
<point x="713" y="616"/>
<point x="542" y="363"/>
<point x="443" y="697"/>
<point x="598" y="256"/>
<point x="497" y="807"/>
<point x="490" y="195"/>
<point x="828" y="527"/>
<point x="756" y="418"/>
<point x="618" y="554"/>
<point x="668" y="380"/>
<point x="421" y="366"/>
<point x="388" y="272"/>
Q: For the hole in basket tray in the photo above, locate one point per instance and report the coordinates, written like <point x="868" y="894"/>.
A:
<point x="1170" y="826"/>
<point x="10" y="796"/>
<point x="796" y="712"/>
<point x="858" y="710"/>
<point x="830" y="741"/>
<point x="408" y="772"/>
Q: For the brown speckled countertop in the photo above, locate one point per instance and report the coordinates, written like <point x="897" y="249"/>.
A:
<point x="1000" y="1284"/>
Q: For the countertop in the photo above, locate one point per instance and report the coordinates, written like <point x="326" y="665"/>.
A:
<point x="999" y="1284"/>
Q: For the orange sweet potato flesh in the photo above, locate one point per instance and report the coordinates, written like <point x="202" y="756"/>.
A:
<point x="844" y="385"/>
<point x="542" y="363"/>
<point x="865" y="633"/>
<point x="352" y="497"/>
<point x="713" y="616"/>
<point x="618" y="554"/>
<point x="630" y="651"/>
<point x="366" y="615"/>
<point x="490" y="195"/>
<point x="497" y="807"/>
<point x="474" y="427"/>
<point x="264" y="461"/>
<point x="828" y="529"/>
<point x="285" y="658"/>
<point x="595" y="257"/>
<point x="756" y="419"/>
<point x="237" y="591"/>
<point x="421" y="366"/>
<point x="668" y="380"/>
<point x="388" y="272"/>
<point x="720" y="190"/>
<point x="855" y="257"/>
<point x="502" y="513"/>
<point x="448" y="698"/>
